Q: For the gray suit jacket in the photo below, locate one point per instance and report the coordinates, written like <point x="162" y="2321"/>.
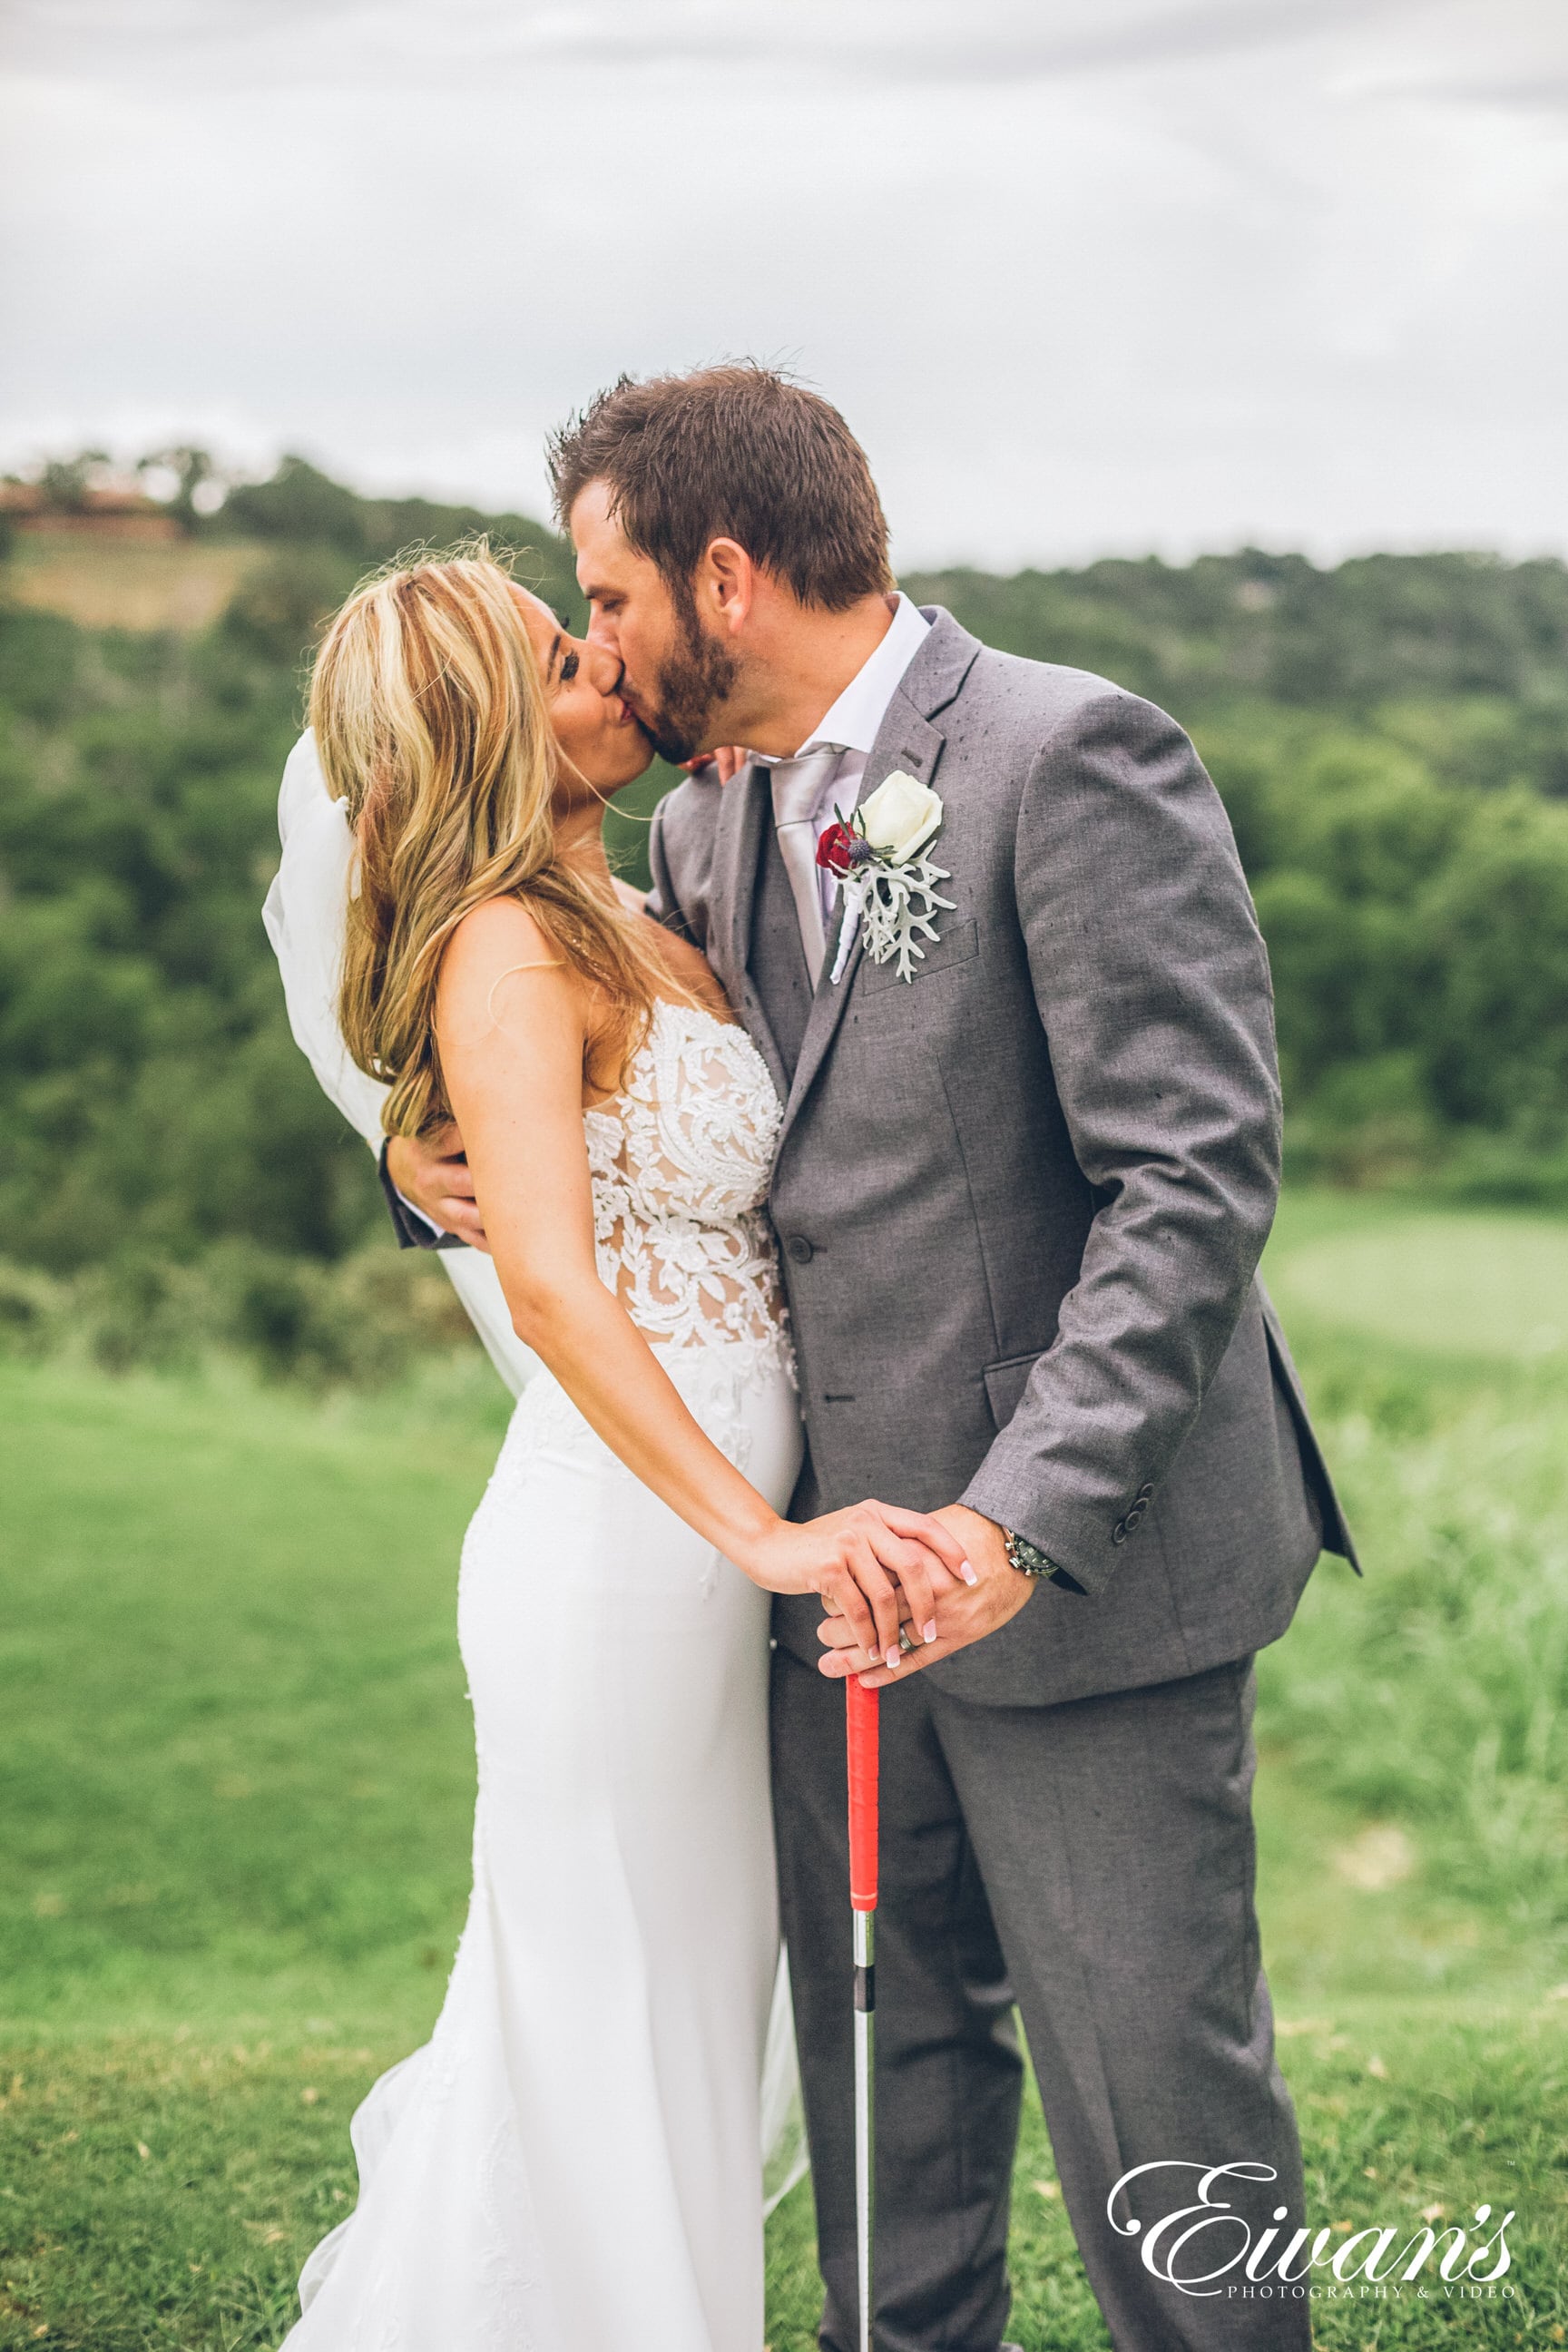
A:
<point x="1021" y="1198"/>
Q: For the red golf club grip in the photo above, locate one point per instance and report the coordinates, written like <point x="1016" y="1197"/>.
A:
<point x="861" y="1706"/>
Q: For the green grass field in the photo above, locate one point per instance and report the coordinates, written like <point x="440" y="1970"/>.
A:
<point x="237" y="1775"/>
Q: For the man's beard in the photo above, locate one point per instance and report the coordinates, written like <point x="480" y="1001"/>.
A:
<point x="692" y="684"/>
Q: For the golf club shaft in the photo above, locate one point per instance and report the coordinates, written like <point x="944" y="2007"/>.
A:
<point x="863" y="1730"/>
<point x="864" y="2109"/>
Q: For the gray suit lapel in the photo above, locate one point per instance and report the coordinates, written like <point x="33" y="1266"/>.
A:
<point x="905" y="739"/>
<point x="746" y="808"/>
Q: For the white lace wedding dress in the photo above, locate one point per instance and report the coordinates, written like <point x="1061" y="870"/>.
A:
<point x="572" y="2163"/>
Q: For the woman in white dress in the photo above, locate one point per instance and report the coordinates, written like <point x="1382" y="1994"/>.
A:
<point x="573" y="2162"/>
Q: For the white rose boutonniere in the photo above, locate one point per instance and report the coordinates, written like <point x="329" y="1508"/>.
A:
<point x="900" y="817"/>
<point x="890" y="885"/>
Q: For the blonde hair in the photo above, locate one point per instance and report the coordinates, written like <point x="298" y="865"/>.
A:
<point x="430" y="722"/>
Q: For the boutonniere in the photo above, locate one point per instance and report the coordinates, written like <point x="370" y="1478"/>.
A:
<point x="889" y="883"/>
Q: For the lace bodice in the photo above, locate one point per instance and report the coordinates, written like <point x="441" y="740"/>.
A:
<point x="679" y="1163"/>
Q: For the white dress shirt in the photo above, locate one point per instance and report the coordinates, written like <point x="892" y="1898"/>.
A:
<point x="853" y="723"/>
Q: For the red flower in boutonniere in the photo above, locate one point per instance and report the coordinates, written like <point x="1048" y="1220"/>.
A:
<point x="837" y="849"/>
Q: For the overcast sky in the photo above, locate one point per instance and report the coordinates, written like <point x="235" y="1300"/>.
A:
<point x="1086" y="275"/>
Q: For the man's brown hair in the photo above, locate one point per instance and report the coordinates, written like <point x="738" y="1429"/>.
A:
<point x="736" y="452"/>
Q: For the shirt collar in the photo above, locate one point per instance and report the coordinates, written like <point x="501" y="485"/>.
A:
<point x="855" y="719"/>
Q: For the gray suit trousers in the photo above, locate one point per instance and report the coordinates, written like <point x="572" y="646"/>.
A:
<point x="1093" y="1861"/>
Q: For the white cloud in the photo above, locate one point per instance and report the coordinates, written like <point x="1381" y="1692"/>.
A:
<point x="1083" y="273"/>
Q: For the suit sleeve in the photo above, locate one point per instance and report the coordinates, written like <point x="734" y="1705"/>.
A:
<point x="1152" y="983"/>
<point x="661" y="898"/>
<point x="680" y="854"/>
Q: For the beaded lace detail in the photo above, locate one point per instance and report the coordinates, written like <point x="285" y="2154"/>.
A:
<point x="679" y="1161"/>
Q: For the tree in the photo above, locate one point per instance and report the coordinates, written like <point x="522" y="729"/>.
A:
<point x="1496" y="920"/>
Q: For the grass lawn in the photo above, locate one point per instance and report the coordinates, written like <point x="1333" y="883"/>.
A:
<point x="238" y="1777"/>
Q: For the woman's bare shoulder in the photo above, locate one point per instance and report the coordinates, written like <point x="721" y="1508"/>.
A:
<point x="500" y="925"/>
<point x="500" y="941"/>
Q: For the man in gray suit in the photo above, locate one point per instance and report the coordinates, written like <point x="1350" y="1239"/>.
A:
<point x="1021" y="1198"/>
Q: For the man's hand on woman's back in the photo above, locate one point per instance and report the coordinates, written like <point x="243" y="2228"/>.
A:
<point x="432" y="1174"/>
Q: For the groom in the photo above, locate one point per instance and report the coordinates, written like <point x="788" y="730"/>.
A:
<point x="1021" y="1198"/>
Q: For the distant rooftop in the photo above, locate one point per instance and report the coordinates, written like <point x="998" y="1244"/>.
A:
<point x="91" y="513"/>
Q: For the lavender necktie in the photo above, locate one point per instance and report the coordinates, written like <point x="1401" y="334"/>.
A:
<point x="797" y="788"/>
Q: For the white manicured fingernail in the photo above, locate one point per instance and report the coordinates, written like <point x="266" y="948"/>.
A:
<point x="929" y="1628"/>
<point x="891" y="1656"/>
<point x="967" y="1572"/>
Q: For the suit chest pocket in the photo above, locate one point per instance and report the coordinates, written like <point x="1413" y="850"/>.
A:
<point x="958" y="942"/>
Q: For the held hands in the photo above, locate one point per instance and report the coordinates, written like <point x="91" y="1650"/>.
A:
<point x="432" y="1172"/>
<point x="873" y="1565"/>
<point x="997" y="1593"/>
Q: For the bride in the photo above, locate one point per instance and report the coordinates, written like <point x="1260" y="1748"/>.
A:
<point x="573" y="2162"/>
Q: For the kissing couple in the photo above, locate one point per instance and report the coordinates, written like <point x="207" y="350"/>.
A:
<point x="920" y="1148"/>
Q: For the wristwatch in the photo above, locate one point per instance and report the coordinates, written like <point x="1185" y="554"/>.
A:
<point x="1028" y="1557"/>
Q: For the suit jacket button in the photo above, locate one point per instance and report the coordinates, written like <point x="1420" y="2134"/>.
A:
<point x="799" y="1248"/>
<point x="1119" y="1532"/>
<point x="1145" y="1494"/>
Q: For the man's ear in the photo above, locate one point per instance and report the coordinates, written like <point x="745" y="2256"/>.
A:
<point x="727" y="583"/>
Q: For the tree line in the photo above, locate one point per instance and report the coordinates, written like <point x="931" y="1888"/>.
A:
<point x="1390" y="736"/>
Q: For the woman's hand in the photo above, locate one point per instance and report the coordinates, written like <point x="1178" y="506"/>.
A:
<point x="729" y="760"/>
<point x="873" y="1564"/>
<point x="996" y="1591"/>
